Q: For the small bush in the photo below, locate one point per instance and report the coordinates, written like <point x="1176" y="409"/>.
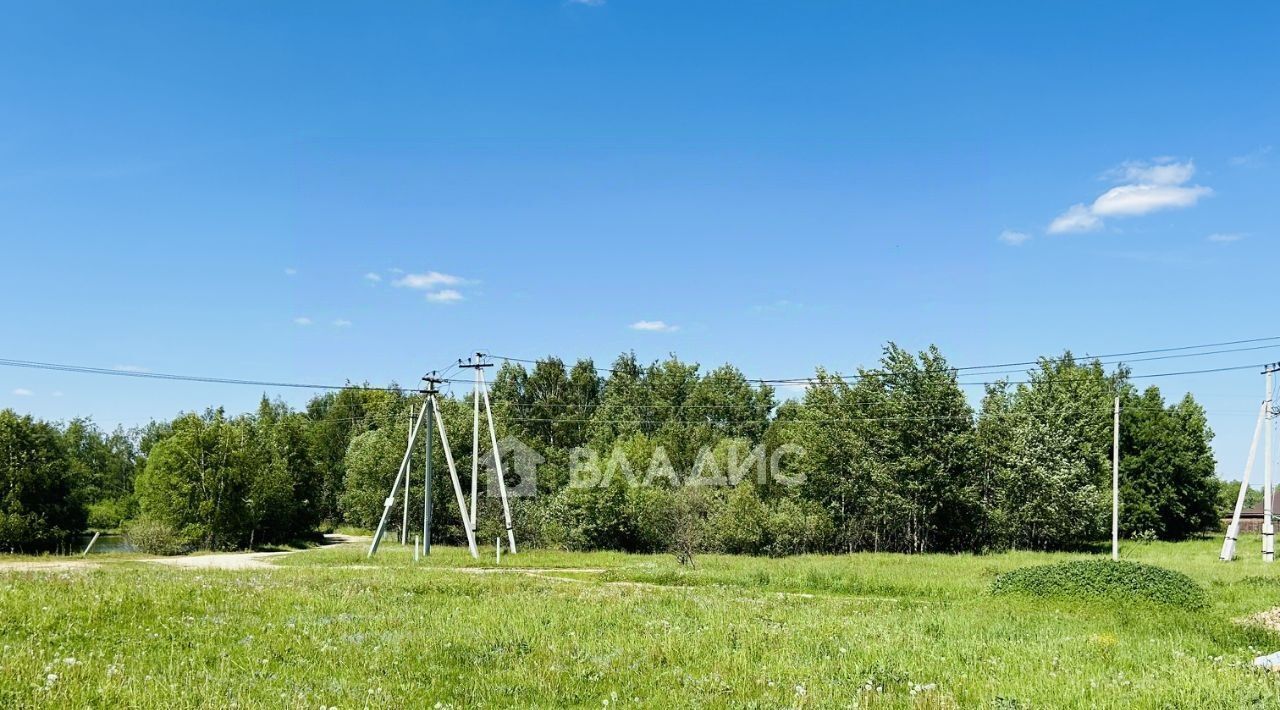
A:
<point x="1103" y="579"/>
<point x="110" y="513"/>
<point x="154" y="537"/>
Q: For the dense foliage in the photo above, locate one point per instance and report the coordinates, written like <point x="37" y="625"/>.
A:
<point x="1103" y="580"/>
<point x="662" y="456"/>
<point x="39" y="505"/>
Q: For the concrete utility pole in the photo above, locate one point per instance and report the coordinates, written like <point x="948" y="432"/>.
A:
<point x="482" y="393"/>
<point x="1233" y="530"/>
<point x="408" y="479"/>
<point x="1268" y="526"/>
<point x="429" y="407"/>
<point x="426" y="481"/>
<point x="1115" y="483"/>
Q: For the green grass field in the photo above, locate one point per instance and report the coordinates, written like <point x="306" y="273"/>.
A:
<point x="329" y="628"/>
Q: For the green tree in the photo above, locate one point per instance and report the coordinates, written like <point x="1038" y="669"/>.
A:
<point x="892" y="456"/>
<point x="1046" y="447"/>
<point x="198" y="480"/>
<point x="1168" y="485"/>
<point x="39" y="505"/>
<point x="103" y="466"/>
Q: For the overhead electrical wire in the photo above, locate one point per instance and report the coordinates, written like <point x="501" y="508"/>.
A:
<point x="84" y="369"/>
<point x="1274" y="341"/>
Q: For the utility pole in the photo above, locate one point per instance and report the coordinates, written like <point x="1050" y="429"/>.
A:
<point x="408" y="479"/>
<point x="429" y="390"/>
<point x="482" y="391"/>
<point x="402" y="473"/>
<point x="395" y="488"/>
<point x="1268" y="525"/>
<point x="1233" y="530"/>
<point x="475" y="434"/>
<point x="1115" y="483"/>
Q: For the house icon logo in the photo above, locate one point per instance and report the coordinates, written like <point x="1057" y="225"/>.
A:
<point x="519" y="468"/>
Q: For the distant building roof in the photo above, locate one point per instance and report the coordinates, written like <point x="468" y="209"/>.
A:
<point x="1257" y="511"/>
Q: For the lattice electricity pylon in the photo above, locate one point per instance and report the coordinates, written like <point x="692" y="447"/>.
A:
<point x="430" y="411"/>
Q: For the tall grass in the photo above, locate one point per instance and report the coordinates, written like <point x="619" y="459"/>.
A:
<point x="331" y="628"/>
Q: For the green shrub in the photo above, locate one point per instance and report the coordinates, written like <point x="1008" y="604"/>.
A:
<point x="1103" y="579"/>
<point x="796" y="528"/>
<point x="154" y="537"/>
<point x="110" y="513"/>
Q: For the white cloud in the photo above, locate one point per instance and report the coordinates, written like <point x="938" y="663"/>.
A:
<point x="1013" y="238"/>
<point x="778" y="306"/>
<point x="23" y="392"/>
<point x="342" y="323"/>
<point x="654" y="326"/>
<point x="1137" y="200"/>
<point x="130" y="368"/>
<point x="302" y="320"/>
<point x="1251" y="159"/>
<point x="372" y="277"/>
<point x="1148" y="186"/>
<point x="427" y="281"/>
<point x="290" y="271"/>
<point x="447" y="295"/>
<point x="1077" y="218"/>
<point x="57" y="394"/>
<point x="1225" y="237"/>
<point x="1162" y="171"/>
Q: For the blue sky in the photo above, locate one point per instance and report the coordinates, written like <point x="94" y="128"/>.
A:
<point x="782" y="185"/>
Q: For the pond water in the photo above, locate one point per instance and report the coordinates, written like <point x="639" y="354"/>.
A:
<point x="106" y="543"/>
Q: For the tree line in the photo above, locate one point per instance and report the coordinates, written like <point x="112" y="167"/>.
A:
<point x="892" y="458"/>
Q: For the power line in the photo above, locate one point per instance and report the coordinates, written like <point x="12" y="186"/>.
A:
<point x="87" y="370"/>
<point x="84" y="369"/>
<point x="972" y="369"/>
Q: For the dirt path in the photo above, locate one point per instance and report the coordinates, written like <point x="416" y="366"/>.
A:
<point x="43" y="566"/>
<point x="244" y="560"/>
<point x="227" y="560"/>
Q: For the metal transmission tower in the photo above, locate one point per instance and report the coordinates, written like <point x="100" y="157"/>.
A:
<point x="481" y="391"/>
<point x="1265" y="423"/>
<point x="430" y="410"/>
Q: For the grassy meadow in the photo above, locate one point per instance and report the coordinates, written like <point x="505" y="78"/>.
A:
<point x="330" y="628"/>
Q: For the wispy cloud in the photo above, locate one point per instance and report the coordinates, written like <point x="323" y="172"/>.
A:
<point x="782" y="304"/>
<point x="23" y="392"/>
<point x="1148" y="186"/>
<point x="1077" y="218"/>
<point x="654" y="326"/>
<point x="57" y="394"/>
<point x="373" y="277"/>
<point x="588" y="3"/>
<point x="342" y="323"/>
<point x="1251" y="159"/>
<point x="302" y="320"/>
<point x="130" y="368"/>
<point x="1014" y="238"/>
<point x="1225" y="237"/>
<point x="429" y="280"/>
<point x="290" y="271"/>
<point x="447" y="295"/>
